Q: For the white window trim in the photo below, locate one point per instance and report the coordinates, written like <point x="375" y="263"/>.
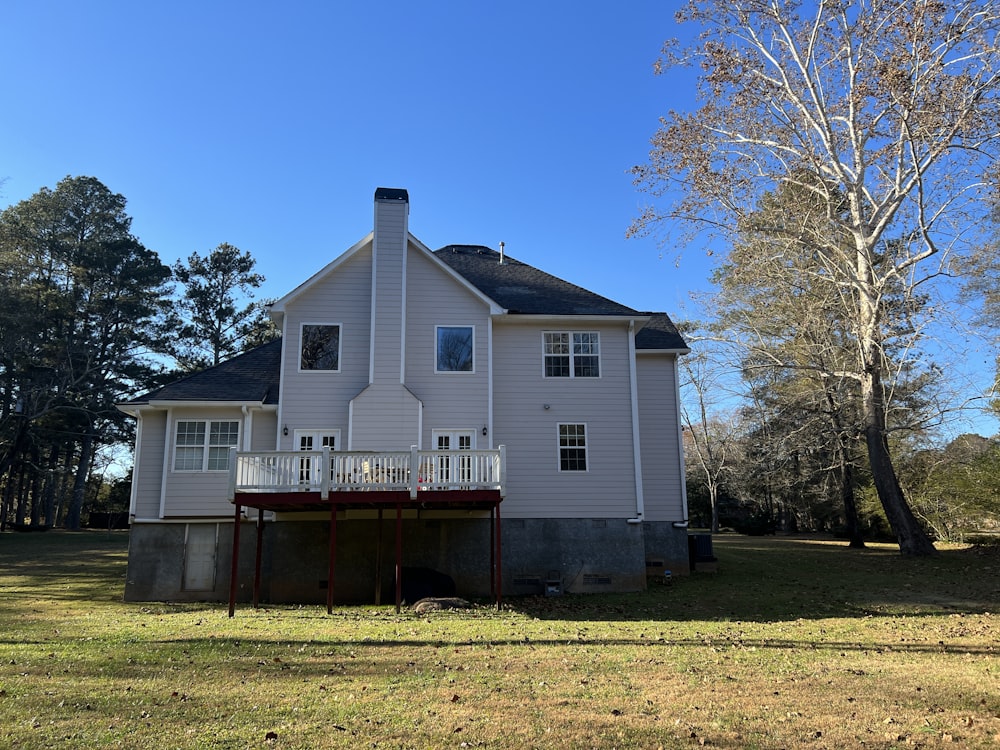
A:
<point x="560" y="446"/>
<point x="572" y="368"/>
<point x="204" y="446"/>
<point x="340" y="347"/>
<point x="455" y="372"/>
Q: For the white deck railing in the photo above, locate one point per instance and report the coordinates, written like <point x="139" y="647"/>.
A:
<point x="327" y="471"/>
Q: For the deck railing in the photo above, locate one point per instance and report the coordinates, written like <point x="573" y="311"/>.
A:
<point x="326" y="471"/>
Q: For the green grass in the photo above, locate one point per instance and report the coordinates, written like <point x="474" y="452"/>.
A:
<point x="794" y="642"/>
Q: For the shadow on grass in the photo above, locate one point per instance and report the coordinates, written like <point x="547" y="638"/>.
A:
<point x="758" y="579"/>
<point x="771" y="579"/>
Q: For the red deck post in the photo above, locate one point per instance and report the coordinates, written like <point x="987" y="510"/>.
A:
<point x="333" y="558"/>
<point x="236" y="561"/>
<point x="399" y="556"/>
<point x="378" y="559"/>
<point x="499" y="562"/>
<point x="256" y="566"/>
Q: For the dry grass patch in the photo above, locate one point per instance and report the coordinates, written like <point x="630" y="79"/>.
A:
<point x="793" y="643"/>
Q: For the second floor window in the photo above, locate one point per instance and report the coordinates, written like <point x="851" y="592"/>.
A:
<point x="454" y="349"/>
<point x="572" y="354"/>
<point x="320" y="347"/>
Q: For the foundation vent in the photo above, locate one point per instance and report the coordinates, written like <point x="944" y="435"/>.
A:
<point x="596" y="579"/>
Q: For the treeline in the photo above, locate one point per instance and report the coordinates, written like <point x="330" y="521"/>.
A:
<point x="89" y="316"/>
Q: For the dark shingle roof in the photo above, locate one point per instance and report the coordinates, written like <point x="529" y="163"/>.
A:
<point x="523" y="289"/>
<point x="515" y="286"/>
<point x="659" y="333"/>
<point x="251" y="377"/>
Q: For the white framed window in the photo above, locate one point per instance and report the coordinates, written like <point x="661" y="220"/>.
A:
<point x="319" y="347"/>
<point x="454" y="348"/>
<point x="203" y="445"/>
<point x="572" y="447"/>
<point x="572" y="354"/>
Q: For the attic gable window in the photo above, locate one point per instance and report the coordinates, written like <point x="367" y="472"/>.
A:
<point x="454" y="349"/>
<point x="572" y="354"/>
<point x="204" y="445"/>
<point x="319" y="347"/>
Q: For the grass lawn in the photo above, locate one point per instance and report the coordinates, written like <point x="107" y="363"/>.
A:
<point x="794" y="642"/>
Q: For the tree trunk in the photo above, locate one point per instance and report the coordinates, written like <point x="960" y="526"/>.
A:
<point x="80" y="481"/>
<point x="851" y="522"/>
<point x="909" y="533"/>
<point x="49" y="489"/>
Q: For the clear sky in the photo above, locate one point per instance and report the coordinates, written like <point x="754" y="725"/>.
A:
<point x="269" y="126"/>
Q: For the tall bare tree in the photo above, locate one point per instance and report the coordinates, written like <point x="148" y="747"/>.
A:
<point x="891" y="105"/>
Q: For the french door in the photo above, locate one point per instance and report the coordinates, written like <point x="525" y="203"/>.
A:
<point x="314" y="440"/>
<point x="448" y="469"/>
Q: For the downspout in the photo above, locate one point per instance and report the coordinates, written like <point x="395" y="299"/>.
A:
<point x="489" y="378"/>
<point x="633" y="381"/>
<point x="680" y="448"/>
<point x="167" y="453"/>
<point x="133" y="491"/>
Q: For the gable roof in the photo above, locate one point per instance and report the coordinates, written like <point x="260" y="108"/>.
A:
<point x="661" y="334"/>
<point x="523" y="289"/>
<point x="251" y="377"/>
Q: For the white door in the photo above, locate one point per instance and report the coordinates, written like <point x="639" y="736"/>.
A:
<point x="199" y="557"/>
<point x="446" y="470"/>
<point x="314" y="440"/>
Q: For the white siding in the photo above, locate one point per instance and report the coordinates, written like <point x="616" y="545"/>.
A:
<point x="390" y="246"/>
<point x="148" y="474"/>
<point x="319" y="400"/>
<point x="535" y="486"/>
<point x="265" y="428"/>
<point x="452" y="400"/>
<point x="658" y="435"/>
<point x="197" y="493"/>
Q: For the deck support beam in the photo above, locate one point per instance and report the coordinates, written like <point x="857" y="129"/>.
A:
<point x="234" y="570"/>
<point x="333" y="558"/>
<point x="256" y="566"/>
<point x="399" y="556"/>
<point x="498" y="564"/>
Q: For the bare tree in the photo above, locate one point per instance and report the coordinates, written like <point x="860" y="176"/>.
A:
<point x="889" y="105"/>
<point x="710" y="433"/>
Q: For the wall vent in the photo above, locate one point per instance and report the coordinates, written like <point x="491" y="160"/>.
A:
<point x="529" y="581"/>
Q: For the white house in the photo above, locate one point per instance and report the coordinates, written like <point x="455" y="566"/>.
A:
<point x="457" y="410"/>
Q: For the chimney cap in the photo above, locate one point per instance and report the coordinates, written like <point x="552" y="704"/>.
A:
<point x="391" y="194"/>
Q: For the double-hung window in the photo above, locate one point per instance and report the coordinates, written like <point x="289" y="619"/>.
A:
<point x="572" y="447"/>
<point x="203" y="445"/>
<point x="572" y="354"/>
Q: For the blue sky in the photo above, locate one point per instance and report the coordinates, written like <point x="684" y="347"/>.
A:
<point x="270" y="128"/>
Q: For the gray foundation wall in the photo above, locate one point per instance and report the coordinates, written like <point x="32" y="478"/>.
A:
<point x="577" y="555"/>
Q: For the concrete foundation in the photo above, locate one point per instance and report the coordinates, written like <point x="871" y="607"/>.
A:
<point x="539" y="556"/>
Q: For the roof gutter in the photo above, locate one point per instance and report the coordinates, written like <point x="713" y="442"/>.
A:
<point x="633" y="382"/>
